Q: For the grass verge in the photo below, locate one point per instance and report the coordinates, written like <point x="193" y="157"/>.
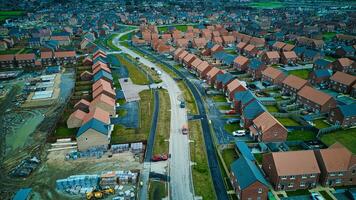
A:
<point x="202" y="181"/>
<point x="137" y="76"/>
<point x="163" y="124"/>
<point x="157" y="190"/>
<point x="188" y="97"/>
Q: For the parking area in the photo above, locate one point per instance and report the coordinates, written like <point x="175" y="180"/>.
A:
<point x="130" y="90"/>
<point x="129" y="118"/>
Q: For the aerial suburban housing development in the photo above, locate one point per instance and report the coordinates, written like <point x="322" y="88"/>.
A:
<point x="178" y="99"/>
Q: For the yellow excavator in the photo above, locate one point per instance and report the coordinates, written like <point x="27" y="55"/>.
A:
<point x="99" y="194"/>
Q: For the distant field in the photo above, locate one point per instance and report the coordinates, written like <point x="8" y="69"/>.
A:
<point x="9" y="14"/>
<point x="266" y="5"/>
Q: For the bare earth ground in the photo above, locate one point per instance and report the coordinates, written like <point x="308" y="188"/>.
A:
<point x="55" y="167"/>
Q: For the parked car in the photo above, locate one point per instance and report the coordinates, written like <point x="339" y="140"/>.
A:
<point x="231" y="121"/>
<point x="185" y="130"/>
<point x="239" y="133"/>
<point x="316" y="196"/>
<point x="159" y="157"/>
<point x="231" y="112"/>
<point x="182" y="104"/>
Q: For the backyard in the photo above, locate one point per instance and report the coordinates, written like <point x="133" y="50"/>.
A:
<point x="202" y="181"/>
<point x="219" y="98"/>
<point x="163" y="124"/>
<point x="182" y="28"/>
<point x="287" y="121"/>
<point x="301" y="73"/>
<point x="346" y="137"/>
<point x="320" y="123"/>
<point x="298" y="135"/>
<point x="229" y="156"/>
<point x="271" y="108"/>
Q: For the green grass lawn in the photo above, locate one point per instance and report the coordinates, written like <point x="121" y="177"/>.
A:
<point x="319" y="123"/>
<point x="229" y="156"/>
<point x="121" y="112"/>
<point x="121" y="101"/>
<point x="266" y="5"/>
<point x="110" y="44"/>
<point x="330" y="58"/>
<point x="163" y="124"/>
<point x="9" y="51"/>
<point x="346" y="137"/>
<point x="125" y="37"/>
<point x="272" y="108"/>
<point x="224" y="107"/>
<point x="6" y="14"/>
<point x="325" y="195"/>
<point x="219" y="98"/>
<point x="156" y="78"/>
<point x="122" y="134"/>
<point x="188" y="97"/>
<point x="182" y="28"/>
<point x="203" y="184"/>
<point x="258" y="157"/>
<point x="63" y="131"/>
<point x="287" y="121"/>
<point x="157" y="190"/>
<point x="137" y="76"/>
<point x="327" y="36"/>
<point x="301" y="135"/>
<point x="231" y="51"/>
<point x="232" y="127"/>
<point x="298" y="193"/>
<point x="301" y="73"/>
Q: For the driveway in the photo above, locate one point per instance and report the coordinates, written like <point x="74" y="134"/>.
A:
<point x="130" y="90"/>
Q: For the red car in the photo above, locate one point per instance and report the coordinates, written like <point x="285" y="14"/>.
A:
<point x="231" y="112"/>
<point x="159" y="157"/>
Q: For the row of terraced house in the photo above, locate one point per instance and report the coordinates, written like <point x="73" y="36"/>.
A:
<point x="93" y="117"/>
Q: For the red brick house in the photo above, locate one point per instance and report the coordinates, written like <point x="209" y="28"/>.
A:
<point x="291" y="170"/>
<point x="228" y="40"/>
<point x="266" y="128"/>
<point x="65" y="57"/>
<point x="278" y="46"/>
<point x="247" y="180"/>
<point x="344" y="115"/>
<point x="271" y="57"/>
<point x="182" y="55"/>
<point x="217" y="40"/>
<point x="288" y="47"/>
<point x="211" y="75"/>
<point x="203" y="69"/>
<point x="82" y="105"/>
<point x="87" y="61"/>
<point x="320" y="76"/>
<point x="182" y="42"/>
<point x="177" y="53"/>
<point x="337" y="165"/>
<point x="344" y="65"/>
<point x="86" y="76"/>
<point x="196" y="63"/>
<point x="199" y="43"/>
<point x="342" y="82"/>
<point x="216" y="48"/>
<point x="250" y="50"/>
<point x="47" y="58"/>
<point x="240" y="47"/>
<point x="234" y="86"/>
<point x="273" y="75"/>
<point x="7" y="60"/>
<point x="315" y="100"/>
<point x="187" y="60"/>
<point x="258" y="42"/>
<point x="240" y="63"/>
<point x="25" y="60"/>
<point x="292" y="84"/>
<point x="288" y="57"/>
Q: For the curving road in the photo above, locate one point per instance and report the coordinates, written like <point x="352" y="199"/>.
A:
<point x="181" y="184"/>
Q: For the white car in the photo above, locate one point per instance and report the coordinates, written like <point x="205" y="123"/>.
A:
<point x="239" y="133"/>
<point x="316" y="196"/>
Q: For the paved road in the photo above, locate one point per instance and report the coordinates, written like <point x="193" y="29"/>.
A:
<point x="209" y="145"/>
<point x="181" y="184"/>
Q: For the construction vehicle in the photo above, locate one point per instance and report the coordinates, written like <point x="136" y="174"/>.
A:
<point x="99" y="194"/>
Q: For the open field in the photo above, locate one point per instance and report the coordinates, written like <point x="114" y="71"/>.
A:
<point x="9" y="14"/>
<point x="157" y="190"/>
<point x="163" y="124"/>
<point x="266" y="5"/>
<point x="301" y="136"/>
<point x="182" y="28"/>
<point x="188" y="97"/>
<point x="346" y="137"/>
<point x="301" y="73"/>
<point x="121" y="134"/>
<point x="229" y="156"/>
<point x="202" y="181"/>
<point x="137" y="76"/>
<point x="154" y="75"/>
